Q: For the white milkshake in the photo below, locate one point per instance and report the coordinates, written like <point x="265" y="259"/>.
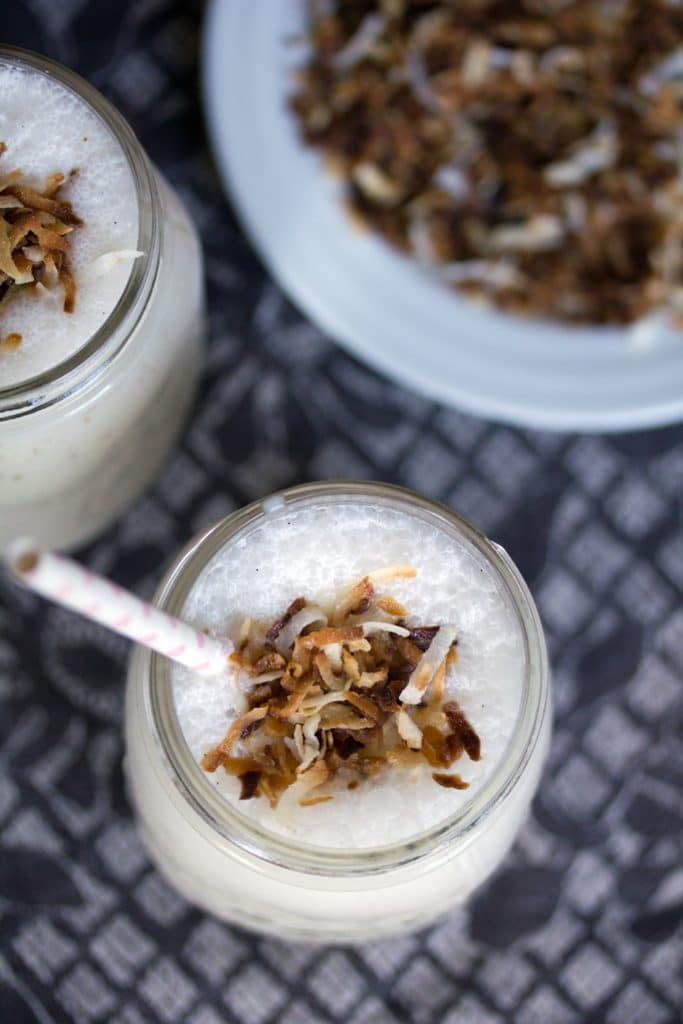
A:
<point x="393" y="850"/>
<point x="91" y="400"/>
<point x="257" y="578"/>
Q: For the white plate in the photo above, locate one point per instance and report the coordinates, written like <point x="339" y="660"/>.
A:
<point x="381" y="306"/>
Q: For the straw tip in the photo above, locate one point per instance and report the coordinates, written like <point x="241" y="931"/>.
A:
<point x="22" y="555"/>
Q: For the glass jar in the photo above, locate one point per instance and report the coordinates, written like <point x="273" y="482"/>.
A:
<point x="81" y="441"/>
<point x="228" y="865"/>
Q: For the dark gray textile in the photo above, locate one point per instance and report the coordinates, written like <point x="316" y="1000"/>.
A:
<point x="584" y="922"/>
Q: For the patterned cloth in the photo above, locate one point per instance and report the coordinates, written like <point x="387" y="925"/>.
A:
<point x="583" y="923"/>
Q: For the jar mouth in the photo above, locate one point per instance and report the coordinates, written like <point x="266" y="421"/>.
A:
<point x="77" y="370"/>
<point x="250" y="837"/>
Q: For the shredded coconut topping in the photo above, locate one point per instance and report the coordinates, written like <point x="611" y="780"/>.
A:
<point x="34" y="240"/>
<point x="470" y="134"/>
<point x="349" y="699"/>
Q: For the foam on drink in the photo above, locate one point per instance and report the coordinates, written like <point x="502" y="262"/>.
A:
<point x="319" y="552"/>
<point x="48" y="129"/>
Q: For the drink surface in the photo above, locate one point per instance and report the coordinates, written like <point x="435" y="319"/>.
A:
<point x="320" y="551"/>
<point x="47" y="129"/>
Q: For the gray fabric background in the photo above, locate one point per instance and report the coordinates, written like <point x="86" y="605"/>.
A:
<point x="583" y="923"/>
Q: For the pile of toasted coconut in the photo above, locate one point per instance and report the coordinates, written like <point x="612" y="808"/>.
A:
<point x="530" y="151"/>
<point x="337" y="698"/>
<point x="34" y="243"/>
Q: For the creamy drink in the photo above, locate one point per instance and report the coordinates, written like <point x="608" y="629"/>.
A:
<point x="387" y="802"/>
<point x="100" y="307"/>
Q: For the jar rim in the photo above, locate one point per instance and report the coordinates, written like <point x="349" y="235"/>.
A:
<point x="247" y="836"/>
<point x="79" y="369"/>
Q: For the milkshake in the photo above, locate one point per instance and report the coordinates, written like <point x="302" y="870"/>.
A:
<point x="99" y="346"/>
<point x="370" y="753"/>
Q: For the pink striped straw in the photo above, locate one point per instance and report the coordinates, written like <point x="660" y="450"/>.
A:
<point x="68" y="583"/>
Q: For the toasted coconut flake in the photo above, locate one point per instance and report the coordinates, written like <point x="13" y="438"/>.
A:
<point x="7" y="265"/>
<point x="10" y="342"/>
<point x="53" y="184"/>
<point x="249" y="785"/>
<point x="440" y="749"/>
<point x="538" y="234"/>
<point x="462" y="728"/>
<point x="294" y="702"/>
<point x="315" y="703"/>
<point x="269" y="790"/>
<point x="350" y="666"/>
<point x="322" y="663"/>
<point x="10" y="203"/>
<point x="393" y="572"/>
<point x="311" y="801"/>
<point x="339" y="716"/>
<point x="314" y="776"/>
<point x="9" y="179"/>
<point x="357" y="601"/>
<point x="367" y="707"/>
<point x="33" y="200"/>
<point x="240" y="765"/>
<point x="49" y="277"/>
<point x="212" y="760"/>
<point x="268" y="677"/>
<point x="108" y="261"/>
<point x="377" y="626"/>
<point x="243" y="635"/>
<point x="311" y="742"/>
<point x="422" y="636"/>
<point x="404" y="757"/>
<point x="333" y="653"/>
<point x="69" y="286"/>
<point x="271" y="661"/>
<point x="368" y="680"/>
<point x="276" y="727"/>
<point x="386" y="698"/>
<point x="422" y="676"/>
<point x="44" y="228"/>
<point x="439" y="682"/>
<point x="295" y="607"/>
<point x="495" y="274"/>
<point x="239" y="660"/>
<point x="32" y="253"/>
<point x="237" y="730"/>
<point x="361" y="43"/>
<point x="476" y="63"/>
<point x="392" y="607"/>
<point x="377" y="185"/>
<point x="299" y="740"/>
<point x="414" y="691"/>
<point x="358" y="646"/>
<point x="588" y="157"/>
<point x="332" y="635"/>
<point x="452" y="781"/>
<point x="408" y="730"/>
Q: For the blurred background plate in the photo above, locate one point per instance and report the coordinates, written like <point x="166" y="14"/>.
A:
<point x="382" y="307"/>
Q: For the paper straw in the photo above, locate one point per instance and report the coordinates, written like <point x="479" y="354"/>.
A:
<point x="72" y="585"/>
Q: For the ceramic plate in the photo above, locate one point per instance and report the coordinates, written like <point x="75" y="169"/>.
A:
<point x="381" y="306"/>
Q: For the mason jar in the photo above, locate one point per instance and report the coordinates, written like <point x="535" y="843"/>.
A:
<point x="81" y="441"/>
<point x="228" y="864"/>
